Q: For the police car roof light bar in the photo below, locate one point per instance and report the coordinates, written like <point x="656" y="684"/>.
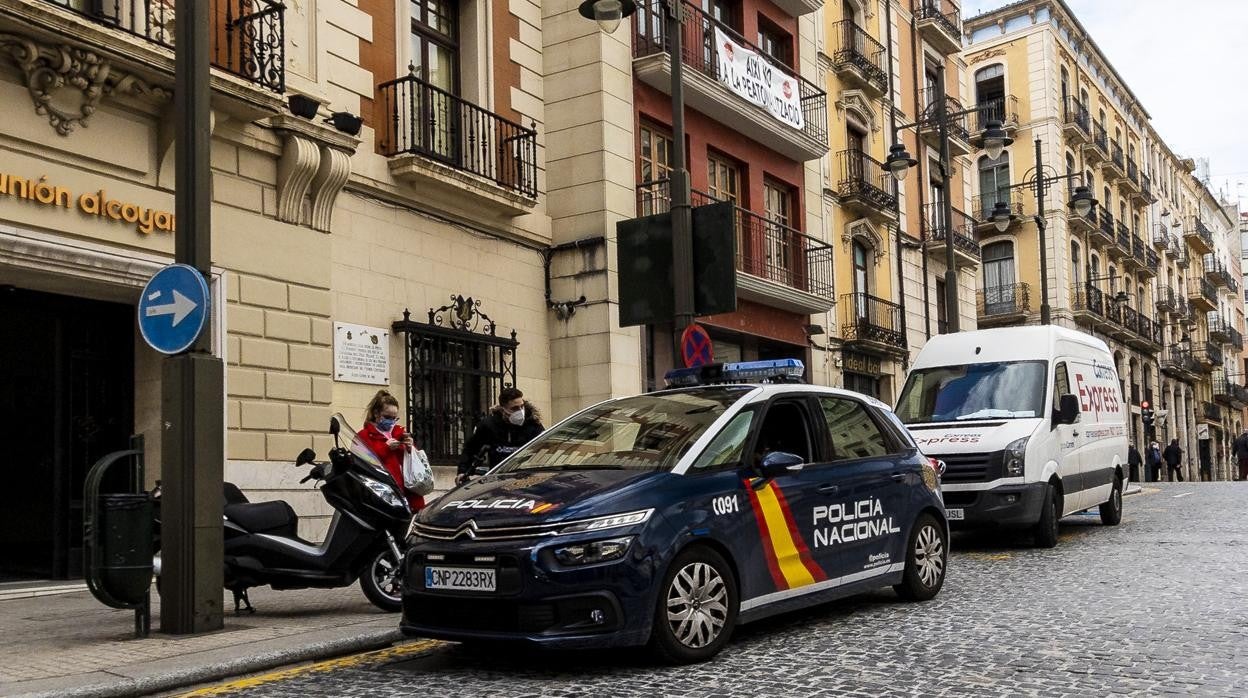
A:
<point x="767" y="371"/>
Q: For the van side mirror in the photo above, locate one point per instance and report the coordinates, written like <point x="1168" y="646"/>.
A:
<point x="1067" y="410"/>
<point x="778" y="463"/>
<point x="305" y="456"/>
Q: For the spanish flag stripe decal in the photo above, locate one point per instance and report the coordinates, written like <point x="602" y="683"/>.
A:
<point x="769" y="553"/>
<point x="802" y="551"/>
<point x="786" y="552"/>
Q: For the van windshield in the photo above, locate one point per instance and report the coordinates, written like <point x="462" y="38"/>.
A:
<point x="1002" y="390"/>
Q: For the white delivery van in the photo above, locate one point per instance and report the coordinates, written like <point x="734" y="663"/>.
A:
<point x="1029" y="421"/>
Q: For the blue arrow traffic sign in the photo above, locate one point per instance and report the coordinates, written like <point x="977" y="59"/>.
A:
<point x="174" y="308"/>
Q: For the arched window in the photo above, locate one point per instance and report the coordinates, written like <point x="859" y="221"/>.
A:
<point x="1113" y="279"/>
<point x="994" y="181"/>
<point x="1135" y="224"/>
<point x="862" y="277"/>
<point x="990" y="94"/>
<point x="999" y="281"/>
<point x="1065" y="87"/>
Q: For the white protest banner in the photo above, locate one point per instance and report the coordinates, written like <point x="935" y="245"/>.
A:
<point x="757" y="81"/>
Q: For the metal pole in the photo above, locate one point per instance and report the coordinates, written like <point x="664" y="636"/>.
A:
<point x="946" y="205"/>
<point x="682" y="214"/>
<point x="1045" y="313"/>
<point x="193" y="440"/>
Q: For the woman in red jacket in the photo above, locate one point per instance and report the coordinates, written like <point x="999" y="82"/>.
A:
<point x="387" y="439"/>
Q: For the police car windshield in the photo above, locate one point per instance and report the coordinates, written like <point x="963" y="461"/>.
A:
<point x="645" y="432"/>
<point x="1001" y="390"/>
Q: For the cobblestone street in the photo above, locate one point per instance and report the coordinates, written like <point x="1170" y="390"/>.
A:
<point x="1157" y="605"/>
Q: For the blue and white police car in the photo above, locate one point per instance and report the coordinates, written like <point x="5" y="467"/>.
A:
<point x="668" y="518"/>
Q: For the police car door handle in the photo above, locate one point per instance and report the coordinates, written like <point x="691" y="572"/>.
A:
<point x="899" y="477"/>
<point x="827" y="489"/>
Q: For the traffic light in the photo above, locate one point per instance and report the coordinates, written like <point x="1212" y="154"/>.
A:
<point x="1146" y="413"/>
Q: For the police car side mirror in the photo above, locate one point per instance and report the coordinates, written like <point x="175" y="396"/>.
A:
<point x="778" y="463"/>
<point x="1067" y="410"/>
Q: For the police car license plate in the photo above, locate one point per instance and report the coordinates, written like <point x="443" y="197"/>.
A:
<point x="954" y="514"/>
<point x="460" y="578"/>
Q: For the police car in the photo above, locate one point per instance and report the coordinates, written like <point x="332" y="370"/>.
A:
<point x="667" y="518"/>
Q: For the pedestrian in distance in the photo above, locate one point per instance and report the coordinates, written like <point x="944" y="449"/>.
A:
<point x="512" y="423"/>
<point x="1152" y="462"/>
<point x="1133" y="462"/>
<point x="1240" y="448"/>
<point x="1174" y="461"/>
<point x="386" y="438"/>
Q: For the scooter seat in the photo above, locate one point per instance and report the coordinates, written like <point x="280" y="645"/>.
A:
<point x="275" y="518"/>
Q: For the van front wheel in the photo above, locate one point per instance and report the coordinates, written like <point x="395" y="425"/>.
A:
<point x="1046" y="527"/>
<point x="1111" y="510"/>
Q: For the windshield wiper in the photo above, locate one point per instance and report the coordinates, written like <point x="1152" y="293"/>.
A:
<point x="580" y="466"/>
<point x="992" y="413"/>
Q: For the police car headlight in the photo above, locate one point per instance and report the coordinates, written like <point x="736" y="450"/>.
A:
<point x="604" y="522"/>
<point x="387" y="495"/>
<point x="1015" y="454"/>
<point x="593" y="551"/>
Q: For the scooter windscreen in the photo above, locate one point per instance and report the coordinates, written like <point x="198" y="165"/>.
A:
<point x="357" y="447"/>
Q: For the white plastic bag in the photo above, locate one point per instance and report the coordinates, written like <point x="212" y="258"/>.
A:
<point x="417" y="473"/>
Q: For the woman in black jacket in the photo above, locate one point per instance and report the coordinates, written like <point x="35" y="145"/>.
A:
<point x="512" y="423"/>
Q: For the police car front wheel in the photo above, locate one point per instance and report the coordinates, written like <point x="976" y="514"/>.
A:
<point x="926" y="558"/>
<point x="697" y="607"/>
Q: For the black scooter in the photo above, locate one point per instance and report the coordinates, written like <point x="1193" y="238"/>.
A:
<point x="365" y="538"/>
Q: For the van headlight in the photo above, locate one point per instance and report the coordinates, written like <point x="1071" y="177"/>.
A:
<point x="594" y="551"/>
<point x="1015" y="454"/>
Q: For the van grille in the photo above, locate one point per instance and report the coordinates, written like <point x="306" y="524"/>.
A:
<point x="972" y="467"/>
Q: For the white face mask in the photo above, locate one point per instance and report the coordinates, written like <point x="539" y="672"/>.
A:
<point x="517" y="417"/>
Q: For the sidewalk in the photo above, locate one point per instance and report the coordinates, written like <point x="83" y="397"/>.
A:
<point x="71" y="645"/>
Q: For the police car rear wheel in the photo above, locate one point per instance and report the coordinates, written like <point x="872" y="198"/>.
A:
<point x="1111" y="511"/>
<point x="697" y="607"/>
<point x="926" y="558"/>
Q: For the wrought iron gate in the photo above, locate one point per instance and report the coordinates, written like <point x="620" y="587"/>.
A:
<point x="455" y="367"/>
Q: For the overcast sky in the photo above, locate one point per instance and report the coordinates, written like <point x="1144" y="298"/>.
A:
<point x="1187" y="63"/>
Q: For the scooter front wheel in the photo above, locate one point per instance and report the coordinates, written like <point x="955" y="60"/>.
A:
<point x="382" y="582"/>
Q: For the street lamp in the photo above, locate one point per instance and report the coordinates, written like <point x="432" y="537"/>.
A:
<point x="1039" y="179"/>
<point x="899" y="162"/>
<point x="1001" y="216"/>
<point x="608" y="14"/>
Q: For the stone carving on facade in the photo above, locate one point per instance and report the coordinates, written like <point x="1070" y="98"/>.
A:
<point x="67" y="83"/>
<point x="856" y="104"/>
<point x="990" y="53"/>
<point x="862" y="229"/>
<point x="315" y="164"/>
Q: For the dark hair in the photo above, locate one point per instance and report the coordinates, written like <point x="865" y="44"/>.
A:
<point x="506" y="395"/>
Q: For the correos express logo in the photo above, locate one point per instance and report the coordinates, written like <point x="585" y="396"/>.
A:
<point x="1097" y="392"/>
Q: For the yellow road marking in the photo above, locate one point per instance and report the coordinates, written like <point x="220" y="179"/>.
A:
<point x="991" y="557"/>
<point x="354" y="661"/>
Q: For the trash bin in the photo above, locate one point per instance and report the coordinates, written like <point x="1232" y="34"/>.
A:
<point x="125" y="539"/>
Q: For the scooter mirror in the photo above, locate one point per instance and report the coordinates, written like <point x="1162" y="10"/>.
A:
<point x="333" y="426"/>
<point x="306" y="456"/>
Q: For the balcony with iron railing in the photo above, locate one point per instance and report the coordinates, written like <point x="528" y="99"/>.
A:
<point x="1209" y="355"/>
<point x="1115" y="167"/>
<point x="1152" y="263"/>
<point x="966" y="251"/>
<point x="1003" y="110"/>
<point x="1076" y="123"/>
<point x="1226" y="279"/>
<point x="1218" y="328"/>
<point x="987" y="204"/>
<point x="800" y="135"/>
<point x="1221" y="387"/>
<point x="1104" y="232"/>
<point x="1165" y="299"/>
<point x="929" y="124"/>
<point x="778" y="265"/>
<point x="1198" y="236"/>
<point x="866" y="186"/>
<point x="246" y="38"/>
<point x="1209" y="412"/>
<point x="1152" y="332"/>
<point x="1099" y="152"/>
<point x="1162" y="239"/>
<point x="872" y="324"/>
<point x="1202" y="295"/>
<point x="1122" y="243"/>
<point x="1131" y="184"/>
<point x="427" y="128"/>
<point x="1178" y="362"/>
<point x="940" y="26"/>
<point x="859" y="58"/>
<point x="1088" y="304"/>
<point x="1003" y="305"/>
<point x="1146" y="189"/>
<point x="1089" y="223"/>
<point x="1234" y="340"/>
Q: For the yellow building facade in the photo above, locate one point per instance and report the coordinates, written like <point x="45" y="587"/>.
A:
<point x="1147" y="269"/>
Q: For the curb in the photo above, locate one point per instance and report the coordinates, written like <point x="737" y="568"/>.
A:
<point x="151" y="678"/>
<point x="1132" y="489"/>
